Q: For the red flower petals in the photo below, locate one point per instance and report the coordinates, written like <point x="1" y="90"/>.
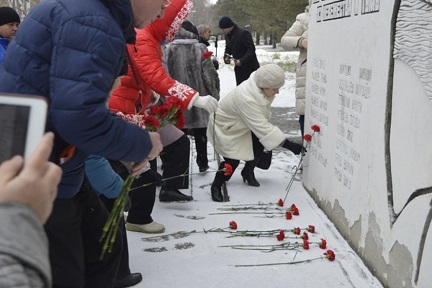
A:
<point x="311" y="229"/>
<point x="307" y="137"/>
<point x="280" y="236"/>
<point x="280" y="203"/>
<point x="228" y="170"/>
<point x="233" y="225"/>
<point x="330" y="255"/>
<point x="288" y="215"/>
<point x="207" y="54"/>
<point x="305" y="236"/>
<point x="315" y="128"/>
<point x="296" y="230"/>
<point x="323" y="244"/>
<point x="305" y="244"/>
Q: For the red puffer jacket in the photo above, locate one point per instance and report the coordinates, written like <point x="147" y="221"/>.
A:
<point x="145" y="71"/>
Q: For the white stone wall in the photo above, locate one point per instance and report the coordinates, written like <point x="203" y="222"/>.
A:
<point x="369" y="88"/>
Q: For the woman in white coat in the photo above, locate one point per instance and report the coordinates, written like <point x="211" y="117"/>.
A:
<point x="242" y="114"/>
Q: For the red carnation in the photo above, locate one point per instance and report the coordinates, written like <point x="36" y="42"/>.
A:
<point x="322" y="244"/>
<point x="315" y="128"/>
<point x="305" y="244"/>
<point x="293" y="206"/>
<point x="307" y="137"/>
<point x="280" y="203"/>
<point x="296" y="212"/>
<point x="288" y="215"/>
<point x="154" y="110"/>
<point x="330" y="255"/>
<point x="305" y="236"/>
<point x="151" y="123"/>
<point x="296" y="230"/>
<point x="311" y="228"/>
<point x="207" y="54"/>
<point x="233" y="225"/>
<point x="179" y="120"/>
<point x="228" y="170"/>
<point x="280" y="236"/>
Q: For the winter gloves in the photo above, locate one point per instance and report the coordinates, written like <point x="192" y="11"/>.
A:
<point x="207" y="102"/>
<point x="293" y="147"/>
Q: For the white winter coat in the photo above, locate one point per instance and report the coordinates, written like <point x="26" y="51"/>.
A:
<point x="244" y="110"/>
<point x="290" y="42"/>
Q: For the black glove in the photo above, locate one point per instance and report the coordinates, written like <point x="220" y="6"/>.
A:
<point x="294" y="147"/>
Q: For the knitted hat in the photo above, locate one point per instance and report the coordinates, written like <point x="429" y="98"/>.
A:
<point x="225" y="22"/>
<point x="270" y="76"/>
<point x="8" y="15"/>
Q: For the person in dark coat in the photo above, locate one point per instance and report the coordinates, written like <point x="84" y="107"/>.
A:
<point x="72" y="58"/>
<point x="239" y="45"/>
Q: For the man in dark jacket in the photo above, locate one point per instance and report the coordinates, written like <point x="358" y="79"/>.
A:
<point x="239" y="45"/>
<point x="72" y="58"/>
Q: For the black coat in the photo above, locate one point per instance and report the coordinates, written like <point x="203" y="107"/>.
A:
<point x="240" y="45"/>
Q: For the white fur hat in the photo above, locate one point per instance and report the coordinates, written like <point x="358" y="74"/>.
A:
<point x="270" y="76"/>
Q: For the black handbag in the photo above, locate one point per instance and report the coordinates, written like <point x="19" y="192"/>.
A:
<point x="265" y="160"/>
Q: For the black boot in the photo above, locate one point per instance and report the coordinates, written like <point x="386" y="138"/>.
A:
<point x="130" y="280"/>
<point x="248" y="174"/>
<point x="173" y="195"/>
<point x="216" y="192"/>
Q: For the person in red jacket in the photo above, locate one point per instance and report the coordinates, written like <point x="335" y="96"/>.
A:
<point x="146" y="73"/>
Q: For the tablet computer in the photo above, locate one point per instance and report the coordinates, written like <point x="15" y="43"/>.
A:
<point x="22" y="124"/>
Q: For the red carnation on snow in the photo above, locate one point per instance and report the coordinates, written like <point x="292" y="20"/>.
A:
<point x="281" y="235"/>
<point x="305" y="236"/>
<point x="322" y="244"/>
<point x="305" y="244"/>
<point x="330" y="255"/>
<point x="233" y="225"/>
<point x="280" y="203"/>
<point x="296" y="211"/>
<point x="311" y="229"/>
<point x="315" y="128"/>
<point x="296" y="230"/>
<point x="288" y="215"/>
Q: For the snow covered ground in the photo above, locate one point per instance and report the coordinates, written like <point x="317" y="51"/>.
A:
<point x="199" y="260"/>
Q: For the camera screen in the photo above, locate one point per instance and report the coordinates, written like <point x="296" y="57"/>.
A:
<point x="13" y="130"/>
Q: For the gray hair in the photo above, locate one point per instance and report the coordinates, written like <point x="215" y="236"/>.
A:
<point x="202" y="28"/>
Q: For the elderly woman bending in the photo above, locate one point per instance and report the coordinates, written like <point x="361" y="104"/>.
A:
<point x="240" y="128"/>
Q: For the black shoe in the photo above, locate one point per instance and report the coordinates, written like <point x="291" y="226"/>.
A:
<point x="250" y="178"/>
<point x="216" y="192"/>
<point x="128" y="281"/>
<point x="173" y="196"/>
<point x="203" y="168"/>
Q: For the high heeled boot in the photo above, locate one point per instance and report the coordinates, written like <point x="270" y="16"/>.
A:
<point x="248" y="174"/>
<point x="216" y="190"/>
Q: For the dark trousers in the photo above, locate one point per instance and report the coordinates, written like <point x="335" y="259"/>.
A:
<point x="142" y="198"/>
<point x="258" y="149"/>
<point x="175" y="160"/>
<point x="200" y="136"/>
<point x="301" y="122"/>
<point x="74" y="229"/>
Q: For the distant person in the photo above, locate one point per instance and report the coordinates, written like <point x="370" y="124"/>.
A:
<point x="186" y="63"/>
<point x="204" y="32"/>
<point x="239" y="45"/>
<point x="9" y="22"/>
<point x="296" y="38"/>
<point x="243" y="113"/>
<point x="27" y="193"/>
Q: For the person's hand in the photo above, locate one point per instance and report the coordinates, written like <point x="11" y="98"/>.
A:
<point x="33" y="183"/>
<point x="137" y="168"/>
<point x="293" y="147"/>
<point x="237" y="62"/>
<point x="206" y="102"/>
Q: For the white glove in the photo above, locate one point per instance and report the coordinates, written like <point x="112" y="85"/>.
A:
<point x="206" y="102"/>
